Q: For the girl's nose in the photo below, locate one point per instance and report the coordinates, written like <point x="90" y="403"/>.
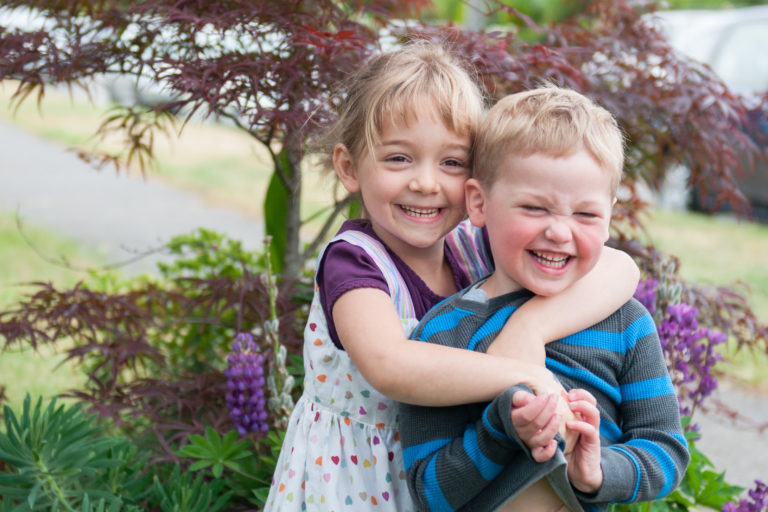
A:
<point x="558" y="231"/>
<point x="425" y="181"/>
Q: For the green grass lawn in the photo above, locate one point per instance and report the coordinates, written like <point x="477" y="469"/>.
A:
<point x="717" y="250"/>
<point x="720" y="250"/>
<point x="23" y="371"/>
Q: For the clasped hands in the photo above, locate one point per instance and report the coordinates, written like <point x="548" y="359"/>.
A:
<point x="537" y="418"/>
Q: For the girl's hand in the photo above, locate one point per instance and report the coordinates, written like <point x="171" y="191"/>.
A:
<point x="584" y="470"/>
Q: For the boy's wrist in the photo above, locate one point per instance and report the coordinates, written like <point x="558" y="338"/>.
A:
<point x="590" y="485"/>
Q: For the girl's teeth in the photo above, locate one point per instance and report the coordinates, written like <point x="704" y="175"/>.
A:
<point x="419" y="212"/>
<point x="551" y="261"/>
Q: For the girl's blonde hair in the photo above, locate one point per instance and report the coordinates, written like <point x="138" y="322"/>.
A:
<point x="552" y="121"/>
<point x="393" y="85"/>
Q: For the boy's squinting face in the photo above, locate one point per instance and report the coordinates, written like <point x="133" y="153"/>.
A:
<point x="412" y="183"/>
<point x="547" y="220"/>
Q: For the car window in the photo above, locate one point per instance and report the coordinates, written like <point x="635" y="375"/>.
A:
<point x="742" y="59"/>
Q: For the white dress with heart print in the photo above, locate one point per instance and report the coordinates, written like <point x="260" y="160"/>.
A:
<point x="342" y="448"/>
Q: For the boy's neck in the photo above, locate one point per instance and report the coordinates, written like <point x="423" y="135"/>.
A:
<point x="494" y="287"/>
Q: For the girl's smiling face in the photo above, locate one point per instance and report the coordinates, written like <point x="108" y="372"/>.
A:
<point x="411" y="182"/>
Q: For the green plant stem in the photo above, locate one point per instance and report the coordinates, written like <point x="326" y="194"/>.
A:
<point x="54" y="486"/>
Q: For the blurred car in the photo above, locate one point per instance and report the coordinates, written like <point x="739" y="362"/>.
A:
<point x="734" y="43"/>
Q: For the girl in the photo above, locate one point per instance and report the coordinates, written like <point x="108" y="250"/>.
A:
<point x="404" y="139"/>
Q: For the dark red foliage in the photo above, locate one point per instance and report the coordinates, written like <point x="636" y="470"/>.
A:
<point x="274" y="69"/>
<point x="674" y="111"/>
<point x="151" y="352"/>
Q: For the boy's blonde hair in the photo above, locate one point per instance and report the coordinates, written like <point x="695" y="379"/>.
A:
<point x="393" y="85"/>
<point x="552" y="121"/>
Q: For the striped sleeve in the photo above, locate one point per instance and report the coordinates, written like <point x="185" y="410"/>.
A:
<point x="650" y="454"/>
<point x="451" y="454"/>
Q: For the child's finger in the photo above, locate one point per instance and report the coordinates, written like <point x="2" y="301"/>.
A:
<point x="544" y="453"/>
<point x="585" y="410"/>
<point x="581" y="394"/>
<point x="522" y="398"/>
<point x="583" y="428"/>
<point x="547" y="432"/>
<point x="537" y="413"/>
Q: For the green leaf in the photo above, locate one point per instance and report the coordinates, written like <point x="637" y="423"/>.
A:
<point x="32" y="498"/>
<point x="261" y="494"/>
<point x="276" y="213"/>
<point x="218" y="469"/>
<point x="200" y="465"/>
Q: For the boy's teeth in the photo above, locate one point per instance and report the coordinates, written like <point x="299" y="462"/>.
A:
<point x="557" y="261"/>
<point x="421" y="212"/>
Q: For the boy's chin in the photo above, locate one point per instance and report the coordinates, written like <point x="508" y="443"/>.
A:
<point x="548" y="289"/>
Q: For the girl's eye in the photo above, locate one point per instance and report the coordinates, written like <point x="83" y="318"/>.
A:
<point x="533" y="209"/>
<point x="454" y="162"/>
<point x="587" y="215"/>
<point x="396" y="158"/>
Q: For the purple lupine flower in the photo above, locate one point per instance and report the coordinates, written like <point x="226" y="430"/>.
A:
<point x="245" y="384"/>
<point x="690" y="354"/>
<point x="646" y="294"/>
<point x="757" y="502"/>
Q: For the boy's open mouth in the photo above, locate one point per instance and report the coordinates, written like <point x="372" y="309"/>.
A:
<point x="550" y="259"/>
<point x="420" y="212"/>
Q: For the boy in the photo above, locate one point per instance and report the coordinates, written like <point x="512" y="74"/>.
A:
<point x="547" y="164"/>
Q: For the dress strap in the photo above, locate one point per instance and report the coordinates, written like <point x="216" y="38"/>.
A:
<point x="398" y="289"/>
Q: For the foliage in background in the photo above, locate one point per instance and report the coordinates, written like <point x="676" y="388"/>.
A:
<point x="155" y="356"/>
<point x="154" y="350"/>
<point x="274" y="69"/>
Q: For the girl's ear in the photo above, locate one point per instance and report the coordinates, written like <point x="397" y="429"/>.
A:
<point x="345" y="168"/>
<point x="475" y="199"/>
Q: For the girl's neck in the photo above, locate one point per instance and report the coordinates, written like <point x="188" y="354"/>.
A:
<point x="432" y="267"/>
<point x="438" y="277"/>
<point x="429" y="263"/>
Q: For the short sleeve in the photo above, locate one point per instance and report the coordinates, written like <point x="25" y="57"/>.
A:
<point x="345" y="267"/>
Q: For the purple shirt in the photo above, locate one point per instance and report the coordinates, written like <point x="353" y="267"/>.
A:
<point x="345" y="267"/>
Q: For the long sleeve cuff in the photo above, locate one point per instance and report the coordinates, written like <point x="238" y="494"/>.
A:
<point x="618" y="469"/>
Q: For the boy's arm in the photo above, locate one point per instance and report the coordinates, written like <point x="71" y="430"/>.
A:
<point x="608" y="286"/>
<point x="650" y="454"/>
<point x="415" y="372"/>
<point x="451" y="456"/>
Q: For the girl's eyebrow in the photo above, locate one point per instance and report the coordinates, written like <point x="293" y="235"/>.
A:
<point x="406" y="142"/>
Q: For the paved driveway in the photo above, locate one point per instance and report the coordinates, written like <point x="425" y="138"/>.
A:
<point x="52" y="188"/>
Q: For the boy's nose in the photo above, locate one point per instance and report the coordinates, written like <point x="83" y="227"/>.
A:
<point x="558" y="231"/>
<point x="425" y="181"/>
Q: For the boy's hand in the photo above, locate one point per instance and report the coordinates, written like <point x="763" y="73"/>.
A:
<point x="584" y="470"/>
<point x="536" y="423"/>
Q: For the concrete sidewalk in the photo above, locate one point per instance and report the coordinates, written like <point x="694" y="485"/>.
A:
<point x="120" y="215"/>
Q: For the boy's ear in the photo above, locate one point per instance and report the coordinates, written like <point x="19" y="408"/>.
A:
<point x="345" y="168"/>
<point x="475" y="199"/>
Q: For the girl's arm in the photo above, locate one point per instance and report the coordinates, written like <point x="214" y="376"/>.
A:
<point x="416" y="372"/>
<point x="593" y="298"/>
